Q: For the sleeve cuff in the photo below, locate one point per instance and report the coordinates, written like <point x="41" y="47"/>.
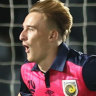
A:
<point x="25" y="94"/>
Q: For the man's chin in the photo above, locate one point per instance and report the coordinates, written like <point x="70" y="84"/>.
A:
<point x="30" y="59"/>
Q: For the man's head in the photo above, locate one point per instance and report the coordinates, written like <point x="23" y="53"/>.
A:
<point x="57" y="14"/>
<point x="44" y="28"/>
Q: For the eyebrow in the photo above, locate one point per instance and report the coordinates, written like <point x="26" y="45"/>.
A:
<point x="30" y="26"/>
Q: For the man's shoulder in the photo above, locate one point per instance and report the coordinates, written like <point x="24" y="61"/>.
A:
<point x="27" y="66"/>
<point x="77" y="57"/>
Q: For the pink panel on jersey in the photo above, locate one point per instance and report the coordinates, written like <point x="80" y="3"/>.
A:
<point x="35" y="80"/>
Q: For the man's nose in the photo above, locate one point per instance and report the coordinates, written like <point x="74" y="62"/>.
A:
<point x="23" y="35"/>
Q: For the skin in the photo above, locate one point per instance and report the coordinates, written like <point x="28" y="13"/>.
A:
<point x="40" y="42"/>
<point x="19" y="94"/>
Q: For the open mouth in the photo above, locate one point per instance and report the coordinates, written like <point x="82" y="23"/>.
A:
<point x="26" y="48"/>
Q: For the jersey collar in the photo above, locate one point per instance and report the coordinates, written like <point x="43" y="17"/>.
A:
<point x="61" y="57"/>
<point x="60" y="60"/>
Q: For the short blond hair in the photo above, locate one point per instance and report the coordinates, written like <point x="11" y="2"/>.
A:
<point x="57" y="14"/>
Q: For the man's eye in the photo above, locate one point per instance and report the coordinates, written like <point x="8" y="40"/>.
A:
<point x="31" y="29"/>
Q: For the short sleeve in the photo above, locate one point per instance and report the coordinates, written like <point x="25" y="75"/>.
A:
<point x="89" y="73"/>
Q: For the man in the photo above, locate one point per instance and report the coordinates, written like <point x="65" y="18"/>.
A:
<point x="53" y="69"/>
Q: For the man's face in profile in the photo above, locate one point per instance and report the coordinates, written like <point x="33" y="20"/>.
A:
<point x="34" y="36"/>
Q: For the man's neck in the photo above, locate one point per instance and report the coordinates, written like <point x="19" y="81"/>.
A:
<point x="45" y="65"/>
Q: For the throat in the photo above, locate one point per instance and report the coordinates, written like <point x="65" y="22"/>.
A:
<point x="44" y="67"/>
<point x="47" y="62"/>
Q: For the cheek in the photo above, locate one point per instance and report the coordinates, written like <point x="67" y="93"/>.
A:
<point x="37" y="41"/>
<point x="32" y="38"/>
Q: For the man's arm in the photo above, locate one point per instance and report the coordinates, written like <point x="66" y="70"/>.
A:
<point x="89" y="73"/>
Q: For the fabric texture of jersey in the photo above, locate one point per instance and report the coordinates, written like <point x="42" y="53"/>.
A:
<point x="71" y="74"/>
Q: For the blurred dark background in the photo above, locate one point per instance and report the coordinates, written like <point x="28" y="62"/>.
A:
<point x="12" y="56"/>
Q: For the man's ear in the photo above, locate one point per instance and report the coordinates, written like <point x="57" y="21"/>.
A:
<point x="53" y="35"/>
